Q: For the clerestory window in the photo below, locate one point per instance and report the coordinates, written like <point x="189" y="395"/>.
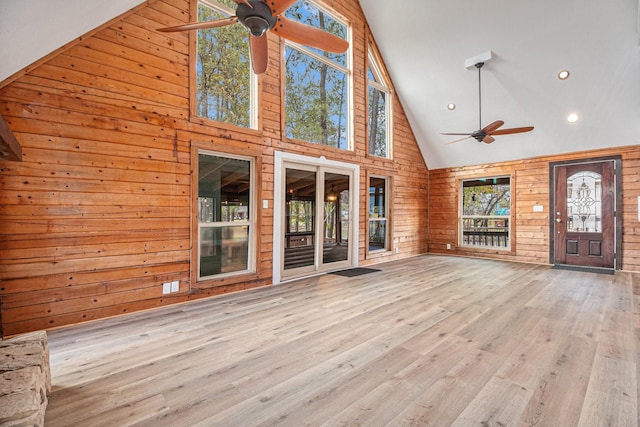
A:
<point x="317" y="86"/>
<point x="226" y="87"/>
<point x="379" y="109"/>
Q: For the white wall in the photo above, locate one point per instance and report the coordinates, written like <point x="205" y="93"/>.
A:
<point x="31" y="29"/>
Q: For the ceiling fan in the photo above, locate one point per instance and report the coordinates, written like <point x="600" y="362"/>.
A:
<point x="485" y="134"/>
<point x="261" y="16"/>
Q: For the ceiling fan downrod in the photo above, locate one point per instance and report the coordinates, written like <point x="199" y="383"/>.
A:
<point x="485" y="134"/>
<point x="479" y="67"/>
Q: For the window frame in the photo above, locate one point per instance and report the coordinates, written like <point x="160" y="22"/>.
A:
<point x="346" y="69"/>
<point x="374" y="62"/>
<point x="253" y="221"/>
<point x="386" y="218"/>
<point x="254" y="92"/>
<point x="510" y="247"/>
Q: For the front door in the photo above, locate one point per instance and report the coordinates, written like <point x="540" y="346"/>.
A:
<point x="584" y="214"/>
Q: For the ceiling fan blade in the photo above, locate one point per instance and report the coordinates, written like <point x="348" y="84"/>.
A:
<point x="492" y="126"/>
<point x="243" y="2"/>
<point x="259" y="49"/>
<point x="279" y="6"/>
<point x="454" y="133"/>
<point x="512" y="130"/>
<point x="201" y="25"/>
<point x="488" y="139"/>
<point x="310" y="36"/>
<point x="457" y="140"/>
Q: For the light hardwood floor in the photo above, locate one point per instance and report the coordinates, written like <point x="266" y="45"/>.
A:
<point x="431" y="340"/>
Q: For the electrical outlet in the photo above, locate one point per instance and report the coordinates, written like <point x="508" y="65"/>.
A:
<point x="175" y="286"/>
<point x="166" y="288"/>
<point x="448" y="246"/>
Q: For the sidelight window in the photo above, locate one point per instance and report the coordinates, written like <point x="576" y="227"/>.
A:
<point x="378" y="214"/>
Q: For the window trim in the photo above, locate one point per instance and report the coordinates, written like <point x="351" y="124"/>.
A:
<point x="253" y="266"/>
<point x="374" y="61"/>
<point x="255" y="118"/>
<point x="348" y="70"/>
<point x="388" y="232"/>
<point x="510" y="249"/>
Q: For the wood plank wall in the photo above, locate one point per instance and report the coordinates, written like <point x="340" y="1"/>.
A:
<point x="530" y="187"/>
<point x="98" y="214"/>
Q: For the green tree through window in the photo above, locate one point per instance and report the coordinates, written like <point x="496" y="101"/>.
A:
<point x="379" y="111"/>
<point x="223" y="68"/>
<point x="317" y="84"/>
<point x="486" y="209"/>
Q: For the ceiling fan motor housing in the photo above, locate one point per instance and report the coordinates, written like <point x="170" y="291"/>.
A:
<point x="257" y="18"/>
<point x="479" y="135"/>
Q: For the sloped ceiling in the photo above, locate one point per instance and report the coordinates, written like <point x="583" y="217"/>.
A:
<point x="31" y="29"/>
<point x="425" y="44"/>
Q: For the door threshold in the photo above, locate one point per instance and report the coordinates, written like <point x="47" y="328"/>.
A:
<point x="598" y="270"/>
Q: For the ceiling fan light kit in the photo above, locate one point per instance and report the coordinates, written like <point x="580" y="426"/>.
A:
<point x="484" y="134"/>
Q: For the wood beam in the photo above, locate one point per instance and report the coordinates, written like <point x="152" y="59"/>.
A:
<point x="10" y="148"/>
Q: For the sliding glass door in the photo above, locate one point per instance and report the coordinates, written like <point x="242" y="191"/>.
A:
<point x="300" y="219"/>
<point x="336" y="218"/>
<point x="317" y="222"/>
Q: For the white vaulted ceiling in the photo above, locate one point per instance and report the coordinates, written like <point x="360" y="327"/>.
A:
<point x="425" y="43"/>
<point x="31" y="29"/>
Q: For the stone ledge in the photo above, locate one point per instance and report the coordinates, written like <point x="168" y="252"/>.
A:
<point x="25" y="380"/>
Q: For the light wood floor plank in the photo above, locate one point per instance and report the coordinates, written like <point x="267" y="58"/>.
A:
<point x="498" y="403"/>
<point x="611" y="396"/>
<point x="558" y="397"/>
<point x="430" y="341"/>
<point x="456" y="382"/>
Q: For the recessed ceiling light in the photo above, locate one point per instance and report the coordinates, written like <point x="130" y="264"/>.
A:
<point x="451" y="106"/>
<point x="573" y="117"/>
<point x="563" y="75"/>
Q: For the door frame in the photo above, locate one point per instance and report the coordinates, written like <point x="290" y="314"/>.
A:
<point x="282" y="158"/>
<point x="617" y="207"/>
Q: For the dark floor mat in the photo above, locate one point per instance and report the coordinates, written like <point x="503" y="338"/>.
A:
<point x="583" y="269"/>
<point x="352" y="272"/>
